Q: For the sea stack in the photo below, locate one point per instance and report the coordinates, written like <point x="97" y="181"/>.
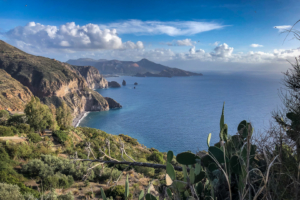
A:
<point x="113" y="84"/>
<point x="135" y="83"/>
<point x="124" y="83"/>
<point x="112" y="103"/>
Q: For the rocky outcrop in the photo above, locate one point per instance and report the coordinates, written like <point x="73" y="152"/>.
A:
<point x="135" y="83"/>
<point x="94" y="79"/>
<point x="50" y="80"/>
<point x="124" y="83"/>
<point x="112" y="103"/>
<point x="113" y="84"/>
<point x="13" y="95"/>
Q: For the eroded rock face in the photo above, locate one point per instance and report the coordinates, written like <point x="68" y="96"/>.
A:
<point x="94" y="79"/>
<point x="124" y="83"/>
<point x="13" y="95"/>
<point x="112" y="103"/>
<point x="51" y="80"/>
<point x="113" y="84"/>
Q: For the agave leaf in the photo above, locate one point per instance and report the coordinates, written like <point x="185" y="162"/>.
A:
<point x="150" y="197"/>
<point x="222" y="118"/>
<point x="208" y="139"/>
<point x="103" y="194"/>
<point x="141" y="196"/>
<point x="126" y="188"/>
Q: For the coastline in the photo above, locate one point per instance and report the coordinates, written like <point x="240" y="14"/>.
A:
<point x="79" y="118"/>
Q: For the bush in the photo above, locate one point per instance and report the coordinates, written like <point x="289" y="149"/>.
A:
<point x="6" y="131"/>
<point x="62" y="136"/>
<point x="119" y="190"/>
<point x="23" y="128"/>
<point x="8" y="192"/>
<point x="58" y="181"/>
<point x="16" y="120"/>
<point x="4" y="114"/>
<point x="34" y="137"/>
<point x="156" y="157"/>
<point x="129" y="139"/>
<point x="68" y="196"/>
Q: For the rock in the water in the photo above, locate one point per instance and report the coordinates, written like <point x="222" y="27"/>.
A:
<point x="112" y="103"/>
<point x="135" y="83"/>
<point x="113" y="84"/>
<point x="124" y="82"/>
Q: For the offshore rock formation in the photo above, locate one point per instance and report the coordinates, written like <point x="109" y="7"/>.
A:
<point x="94" y="79"/>
<point x="112" y="103"/>
<point x="13" y="95"/>
<point x="135" y="83"/>
<point x="50" y="80"/>
<point x="113" y="84"/>
<point x="124" y="83"/>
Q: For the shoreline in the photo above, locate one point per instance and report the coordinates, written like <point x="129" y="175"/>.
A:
<point x="79" y="118"/>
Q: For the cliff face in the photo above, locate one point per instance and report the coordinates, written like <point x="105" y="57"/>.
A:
<point x="94" y="79"/>
<point x="13" y="95"/>
<point x="50" y="80"/>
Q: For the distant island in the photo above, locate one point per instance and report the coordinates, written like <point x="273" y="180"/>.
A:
<point x="142" y="68"/>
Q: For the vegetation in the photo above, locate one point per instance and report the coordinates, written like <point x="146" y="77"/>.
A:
<point x="39" y="115"/>
<point x="64" y="116"/>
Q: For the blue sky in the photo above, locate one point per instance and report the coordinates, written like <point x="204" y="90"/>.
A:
<point x="217" y="33"/>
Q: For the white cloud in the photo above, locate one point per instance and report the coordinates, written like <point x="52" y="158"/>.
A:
<point x="283" y="28"/>
<point x="171" y="28"/>
<point x="256" y="45"/>
<point x="69" y="37"/>
<point x="222" y="50"/>
<point x="185" y="42"/>
<point x="215" y="43"/>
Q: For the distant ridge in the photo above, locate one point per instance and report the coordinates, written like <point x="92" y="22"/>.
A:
<point x="140" y="68"/>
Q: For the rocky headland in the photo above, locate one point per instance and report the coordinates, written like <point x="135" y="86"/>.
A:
<point x="112" y="103"/>
<point x="52" y="81"/>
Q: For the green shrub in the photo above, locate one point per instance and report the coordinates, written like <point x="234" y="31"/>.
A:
<point x="4" y="114"/>
<point x="129" y="139"/>
<point x="156" y="157"/>
<point x="8" y="192"/>
<point x="61" y="135"/>
<point x="68" y="196"/>
<point x="6" y="131"/>
<point x="34" y="137"/>
<point x="23" y="128"/>
<point x="58" y="181"/>
<point x="119" y="190"/>
<point x="16" y="120"/>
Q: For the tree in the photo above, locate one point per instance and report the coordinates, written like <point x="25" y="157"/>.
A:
<point x="4" y="114"/>
<point x="38" y="114"/>
<point x="64" y="116"/>
<point x="54" y="126"/>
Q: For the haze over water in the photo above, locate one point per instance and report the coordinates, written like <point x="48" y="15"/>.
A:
<point x="178" y="113"/>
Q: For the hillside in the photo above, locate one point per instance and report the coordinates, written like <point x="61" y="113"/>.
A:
<point x="52" y="81"/>
<point x="13" y="95"/>
<point x="131" y="68"/>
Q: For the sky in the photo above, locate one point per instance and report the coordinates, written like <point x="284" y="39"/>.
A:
<point x="197" y="35"/>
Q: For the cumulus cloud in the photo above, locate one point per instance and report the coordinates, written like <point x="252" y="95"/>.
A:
<point x="256" y="45"/>
<point x="185" y="42"/>
<point x="69" y="36"/>
<point x="215" y="43"/>
<point x="222" y="50"/>
<point x="283" y="28"/>
<point x="171" y="28"/>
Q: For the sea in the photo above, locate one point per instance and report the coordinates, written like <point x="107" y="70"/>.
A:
<point x="178" y="113"/>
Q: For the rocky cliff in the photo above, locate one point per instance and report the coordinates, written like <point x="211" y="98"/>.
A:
<point x="94" y="79"/>
<point x="50" y="80"/>
<point x="13" y="95"/>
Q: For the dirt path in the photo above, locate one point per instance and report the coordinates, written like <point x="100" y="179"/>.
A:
<point x="14" y="138"/>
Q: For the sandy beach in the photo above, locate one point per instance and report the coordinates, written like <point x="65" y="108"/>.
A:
<point x="77" y="120"/>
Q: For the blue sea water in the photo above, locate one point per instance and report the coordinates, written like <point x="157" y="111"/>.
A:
<point x="178" y="113"/>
